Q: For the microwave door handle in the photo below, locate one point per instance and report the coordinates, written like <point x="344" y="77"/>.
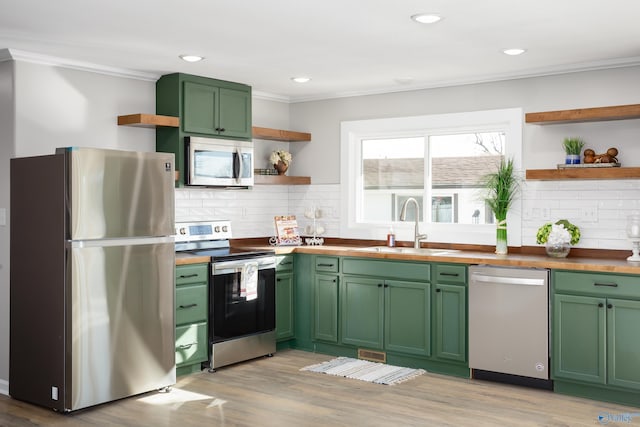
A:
<point x="237" y="165"/>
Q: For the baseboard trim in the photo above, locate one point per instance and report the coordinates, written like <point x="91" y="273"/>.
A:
<point x="4" y="387"/>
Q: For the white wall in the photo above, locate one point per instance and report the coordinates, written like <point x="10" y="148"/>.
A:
<point x="6" y="152"/>
<point x="612" y="200"/>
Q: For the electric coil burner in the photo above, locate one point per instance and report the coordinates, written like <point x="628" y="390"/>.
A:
<point x="242" y="313"/>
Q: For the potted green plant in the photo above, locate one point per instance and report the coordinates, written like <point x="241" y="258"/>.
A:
<point x="558" y="237"/>
<point x="501" y="189"/>
<point x="572" y="147"/>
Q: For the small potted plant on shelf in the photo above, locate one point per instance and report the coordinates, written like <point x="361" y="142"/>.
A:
<point x="572" y="148"/>
<point x="558" y="237"/>
<point x="280" y="160"/>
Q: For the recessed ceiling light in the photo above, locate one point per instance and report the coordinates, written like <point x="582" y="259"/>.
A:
<point x="301" y="79"/>
<point x="426" y="18"/>
<point x="191" y="58"/>
<point x="514" y="51"/>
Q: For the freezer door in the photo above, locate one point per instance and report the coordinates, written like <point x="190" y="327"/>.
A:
<point x="115" y="193"/>
<point x="121" y="325"/>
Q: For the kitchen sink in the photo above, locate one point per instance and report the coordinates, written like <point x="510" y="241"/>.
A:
<point x="407" y="250"/>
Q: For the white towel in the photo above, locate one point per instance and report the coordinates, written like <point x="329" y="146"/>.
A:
<point x="249" y="281"/>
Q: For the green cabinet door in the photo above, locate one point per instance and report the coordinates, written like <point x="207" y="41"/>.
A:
<point x="325" y="308"/>
<point x="407" y="322"/>
<point x="579" y="340"/>
<point x="284" y="305"/>
<point x="451" y="322"/>
<point x="623" y="343"/>
<point x="235" y="113"/>
<point x="200" y="107"/>
<point x="362" y="311"/>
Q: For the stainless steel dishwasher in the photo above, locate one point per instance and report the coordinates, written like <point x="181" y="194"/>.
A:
<point x="509" y="325"/>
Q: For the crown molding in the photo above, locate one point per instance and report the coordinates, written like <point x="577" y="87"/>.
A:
<point x="36" y="58"/>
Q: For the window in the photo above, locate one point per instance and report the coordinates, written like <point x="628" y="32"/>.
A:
<point x="440" y="159"/>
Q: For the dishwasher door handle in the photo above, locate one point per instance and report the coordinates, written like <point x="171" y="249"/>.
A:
<point x="507" y="280"/>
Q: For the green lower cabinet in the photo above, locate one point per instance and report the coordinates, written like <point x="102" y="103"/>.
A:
<point x="579" y="340"/>
<point x="623" y="343"/>
<point x="388" y="315"/>
<point x="325" y="308"/>
<point x="284" y="306"/>
<point x="407" y="324"/>
<point x="361" y="312"/>
<point x="191" y="312"/>
<point x="596" y="343"/>
<point x="450" y="317"/>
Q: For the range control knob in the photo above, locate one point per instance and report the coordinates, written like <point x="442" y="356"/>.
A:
<point x="216" y="229"/>
<point x="182" y="230"/>
<point x="224" y="228"/>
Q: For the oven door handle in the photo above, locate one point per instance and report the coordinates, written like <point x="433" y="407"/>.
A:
<point x="230" y="267"/>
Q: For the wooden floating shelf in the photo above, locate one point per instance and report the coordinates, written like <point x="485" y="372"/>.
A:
<point x="579" y="173"/>
<point x="148" y="120"/>
<point x="281" y="180"/>
<point x="280" y="135"/>
<point x="618" y="112"/>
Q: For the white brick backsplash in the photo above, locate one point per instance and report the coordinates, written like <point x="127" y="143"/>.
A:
<point x="251" y="211"/>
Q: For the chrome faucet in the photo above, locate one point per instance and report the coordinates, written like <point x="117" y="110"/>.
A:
<point x="403" y="216"/>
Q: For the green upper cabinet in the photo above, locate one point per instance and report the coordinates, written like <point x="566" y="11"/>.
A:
<point x="206" y="107"/>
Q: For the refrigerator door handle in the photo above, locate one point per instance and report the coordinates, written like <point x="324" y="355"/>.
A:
<point x="119" y="242"/>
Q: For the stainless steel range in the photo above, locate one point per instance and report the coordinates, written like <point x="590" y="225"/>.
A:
<point x="242" y="314"/>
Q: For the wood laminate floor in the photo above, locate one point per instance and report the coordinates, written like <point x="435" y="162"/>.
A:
<point x="273" y="392"/>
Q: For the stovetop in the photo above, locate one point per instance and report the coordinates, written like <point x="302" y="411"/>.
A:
<point x="211" y="238"/>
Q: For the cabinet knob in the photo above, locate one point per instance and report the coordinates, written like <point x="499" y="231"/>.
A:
<point x="379" y="285"/>
<point x="609" y="306"/>
<point x="386" y="286"/>
<point x="600" y="305"/>
<point x="437" y="289"/>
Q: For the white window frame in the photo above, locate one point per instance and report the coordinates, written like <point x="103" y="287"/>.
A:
<point x="508" y="120"/>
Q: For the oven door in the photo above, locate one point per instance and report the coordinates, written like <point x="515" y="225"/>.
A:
<point x="234" y="313"/>
<point x="212" y="162"/>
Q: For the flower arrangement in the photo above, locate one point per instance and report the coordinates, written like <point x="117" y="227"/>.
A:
<point x="561" y="232"/>
<point x="280" y="156"/>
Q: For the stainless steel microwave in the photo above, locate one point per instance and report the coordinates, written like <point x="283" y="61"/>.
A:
<point x="219" y="162"/>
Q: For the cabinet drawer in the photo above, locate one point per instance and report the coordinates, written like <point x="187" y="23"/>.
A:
<point x="284" y="263"/>
<point x="191" y="304"/>
<point x="597" y="284"/>
<point x="420" y="271"/>
<point x="450" y="273"/>
<point x="186" y="274"/>
<point x="326" y="263"/>
<point x="191" y="343"/>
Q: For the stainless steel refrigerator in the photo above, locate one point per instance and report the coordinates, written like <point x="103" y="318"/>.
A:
<point x="92" y="276"/>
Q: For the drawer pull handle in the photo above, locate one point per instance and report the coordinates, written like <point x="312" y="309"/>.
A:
<point x="188" y="306"/>
<point x="186" y="346"/>
<point x="182" y="276"/>
<point x="286" y="263"/>
<point x="325" y="265"/>
<point x="450" y="274"/>
<point x="611" y="285"/>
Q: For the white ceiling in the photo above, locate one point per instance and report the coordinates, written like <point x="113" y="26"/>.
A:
<point x="347" y="47"/>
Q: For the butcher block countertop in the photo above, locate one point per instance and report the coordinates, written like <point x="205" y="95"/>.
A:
<point x="603" y="264"/>
<point x="609" y="262"/>
<point x="186" y="259"/>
